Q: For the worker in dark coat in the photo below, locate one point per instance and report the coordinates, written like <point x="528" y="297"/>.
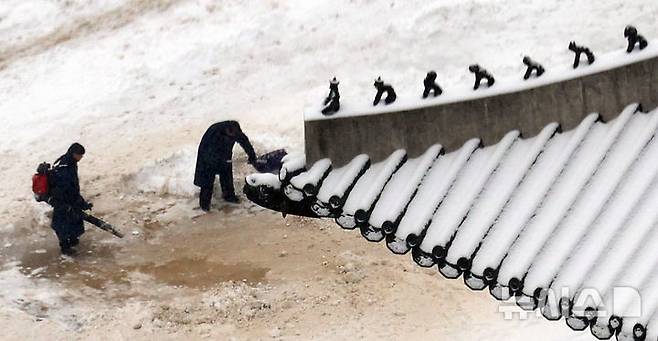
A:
<point x="215" y="157"/>
<point x="66" y="199"/>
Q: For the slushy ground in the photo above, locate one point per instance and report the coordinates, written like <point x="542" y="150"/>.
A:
<point x="238" y="272"/>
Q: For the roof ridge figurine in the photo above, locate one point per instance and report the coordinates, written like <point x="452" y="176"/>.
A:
<point x="431" y="86"/>
<point x="481" y="73"/>
<point x="532" y="66"/>
<point x="579" y="50"/>
<point x="332" y="102"/>
<point x="381" y="89"/>
<point x="634" y="39"/>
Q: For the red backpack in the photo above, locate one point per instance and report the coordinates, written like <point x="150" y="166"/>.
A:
<point x="40" y="183"/>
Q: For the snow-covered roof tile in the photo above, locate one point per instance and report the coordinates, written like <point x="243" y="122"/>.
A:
<point x="549" y="219"/>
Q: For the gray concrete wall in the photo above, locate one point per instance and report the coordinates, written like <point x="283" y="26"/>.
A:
<point x="489" y="118"/>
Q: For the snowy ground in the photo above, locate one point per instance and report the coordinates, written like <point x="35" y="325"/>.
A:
<point x="138" y="81"/>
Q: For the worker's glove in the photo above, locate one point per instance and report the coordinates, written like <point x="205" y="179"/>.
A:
<point x="87" y="206"/>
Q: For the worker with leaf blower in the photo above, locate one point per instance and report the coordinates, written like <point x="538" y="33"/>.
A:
<point x="59" y="186"/>
<point x="66" y="199"/>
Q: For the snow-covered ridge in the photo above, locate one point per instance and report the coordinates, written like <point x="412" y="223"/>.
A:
<point x="542" y="219"/>
<point x="462" y="92"/>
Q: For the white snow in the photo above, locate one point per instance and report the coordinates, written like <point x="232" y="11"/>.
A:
<point x="266" y="179"/>
<point x="648" y="304"/>
<point x="496" y="193"/>
<point x="642" y="225"/>
<point x="295" y="189"/>
<point x="469" y="184"/>
<point x="610" y="223"/>
<point x="313" y="176"/>
<point x="433" y="189"/>
<point x="139" y="86"/>
<point x="370" y="185"/>
<point x="168" y="175"/>
<point x="636" y="272"/>
<point x="506" y="84"/>
<point x="158" y="78"/>
<point x="561" y="196"/>
<point x="524" y="202"/>
<point x="637" y="133"/>
<point x="20" y="292"/>
<point x="340" y="179"/>
<point x="400" y="189"/>
<point x="291" y="163"/>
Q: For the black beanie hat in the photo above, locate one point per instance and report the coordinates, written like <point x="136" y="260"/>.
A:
<point x="76" y="148"/>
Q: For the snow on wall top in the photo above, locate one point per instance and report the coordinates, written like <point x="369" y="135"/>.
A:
<point x="452" y="93"/>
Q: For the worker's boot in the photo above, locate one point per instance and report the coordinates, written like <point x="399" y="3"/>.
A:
<point x="232" y="198"/>
<point x="68" y="251"/>
<point x="205" y="197"/>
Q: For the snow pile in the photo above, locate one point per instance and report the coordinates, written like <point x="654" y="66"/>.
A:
<point x="170" y="175"/>
<point x="174" y="174"/>
<point x="41" y="213"/>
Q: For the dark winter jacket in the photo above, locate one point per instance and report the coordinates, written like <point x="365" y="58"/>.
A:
<point x="216" y="151"/>
<point x="65" y="197"/>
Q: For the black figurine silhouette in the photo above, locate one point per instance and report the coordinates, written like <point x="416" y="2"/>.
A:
<point x="481" y="73"/>
<point x="381" y="89"/>
<point x="579" y="50"/>
<point x="332" y="102"/>
<point x="634" y="39"/>
<point x="532" y="66"/>
<point x="431" y="86"/>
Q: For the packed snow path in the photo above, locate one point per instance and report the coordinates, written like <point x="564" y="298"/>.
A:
<point x="545" y="219"/>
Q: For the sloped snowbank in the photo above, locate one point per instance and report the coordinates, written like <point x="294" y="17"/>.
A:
<point x="170" y="175"/>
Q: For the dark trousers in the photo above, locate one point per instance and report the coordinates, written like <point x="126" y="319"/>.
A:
<point x="226" y="183"/>
<point x="67" y="240"/>
<point x="68" y="227"/>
